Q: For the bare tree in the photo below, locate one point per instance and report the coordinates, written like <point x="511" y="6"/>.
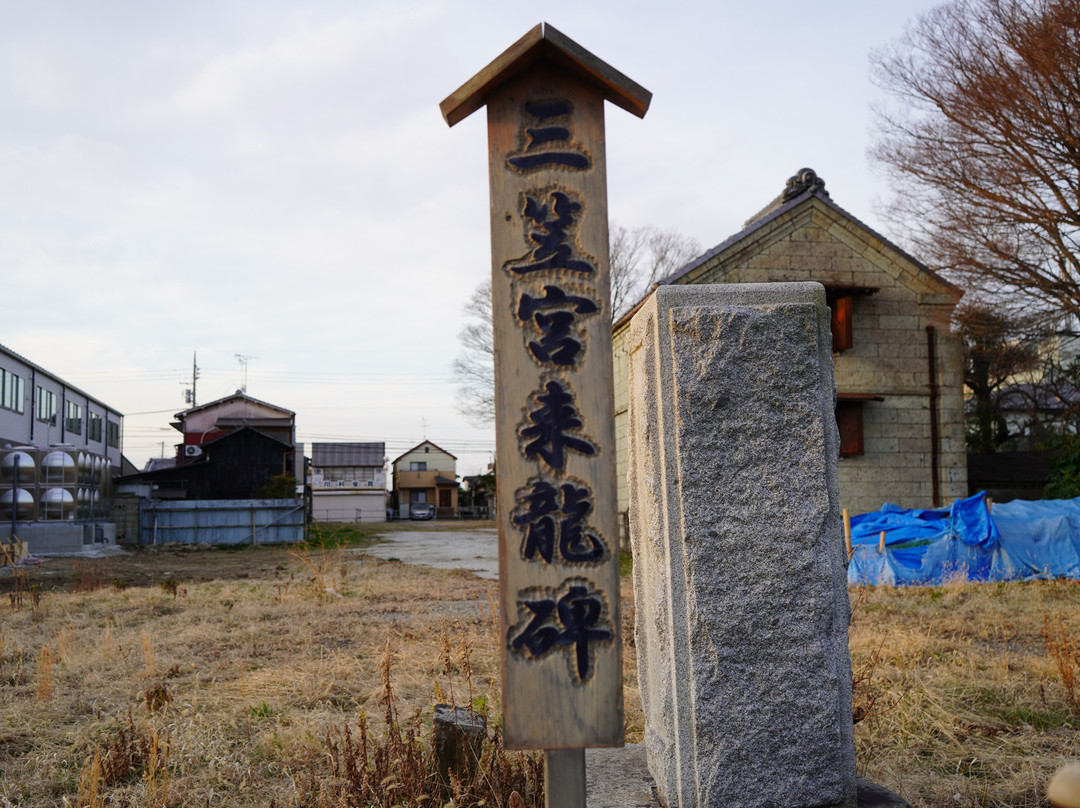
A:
<point x="625" y="250"/>
<point x="474" y="368"/>
<point x="637" y="257"/>
<point x="640" y="257"/>
<point x="982" y="144"/>
<point x="998" y="347"/>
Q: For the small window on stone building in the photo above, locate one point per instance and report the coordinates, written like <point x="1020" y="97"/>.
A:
<point x="841" y="302"/>
<point x="849" y="421"/>
<point x="840" y="324"/>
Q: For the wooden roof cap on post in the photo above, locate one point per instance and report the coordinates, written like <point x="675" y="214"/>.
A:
<point x="544" y="42"/>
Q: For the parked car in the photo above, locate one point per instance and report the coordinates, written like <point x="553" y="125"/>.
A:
<point x="421" y="511"/>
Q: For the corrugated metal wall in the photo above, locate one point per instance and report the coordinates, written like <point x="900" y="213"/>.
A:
<point x="222" y="521"/>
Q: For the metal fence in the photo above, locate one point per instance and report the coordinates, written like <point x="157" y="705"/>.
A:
<point x="348" y="515"/>
<point x="1006" y="476"/>
<point x="222" y="521"/>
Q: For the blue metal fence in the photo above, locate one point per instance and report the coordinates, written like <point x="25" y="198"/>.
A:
<point x="222" y="521"/>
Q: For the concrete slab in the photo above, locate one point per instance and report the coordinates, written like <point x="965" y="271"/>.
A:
<point x="619" y="778"/>
<point x="473" y="550"/>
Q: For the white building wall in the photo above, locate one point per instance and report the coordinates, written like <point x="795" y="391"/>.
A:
<point x="333" y="506"/>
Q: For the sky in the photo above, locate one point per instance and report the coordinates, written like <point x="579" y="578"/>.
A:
<point x="270" y="184"/>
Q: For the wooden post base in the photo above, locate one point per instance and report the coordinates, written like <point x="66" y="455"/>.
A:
<point x="564" y="778"/>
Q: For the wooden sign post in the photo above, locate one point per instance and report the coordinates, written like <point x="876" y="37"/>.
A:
<point x="558" y="540"/>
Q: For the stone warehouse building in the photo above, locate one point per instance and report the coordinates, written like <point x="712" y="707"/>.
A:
<point x="897" y="364"/>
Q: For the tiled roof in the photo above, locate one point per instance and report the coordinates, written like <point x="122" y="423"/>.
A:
<point x="800" y="188"/>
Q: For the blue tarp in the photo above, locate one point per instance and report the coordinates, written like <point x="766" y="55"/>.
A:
<point x="1020" y="541"/>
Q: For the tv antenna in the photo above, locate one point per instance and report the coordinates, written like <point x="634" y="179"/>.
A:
<point x="243" y="360"/>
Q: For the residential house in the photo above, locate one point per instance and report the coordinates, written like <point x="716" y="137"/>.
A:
<point x="426" y="475"/>
<point x="208" y="421"/>
<point x="237" y="464"/>
<point x="897" y="364"/>
<point x="231" y="449"/>
<point x="59" y="450"/>
<point x="348" y="482"/>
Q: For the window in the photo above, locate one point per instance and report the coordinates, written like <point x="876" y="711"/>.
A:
<point x="93" y="426"/>
<point x="12" y="391"/>
<point x="73" y="418"/>
<point x="349" y="473"/>
<point x="849" y="420"/>
<point x="415" y="465"/>
<point x="112" y="434"/>
<point x="417" y="497"/>
<point x="840" y="299"/>
<point x="46" y="406"/>
<point x="840" y="324"/>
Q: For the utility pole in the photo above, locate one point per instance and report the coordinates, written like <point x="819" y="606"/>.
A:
<point x="189" y="395"/>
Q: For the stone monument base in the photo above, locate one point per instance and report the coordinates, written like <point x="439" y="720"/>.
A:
<point x="619" y="778"/>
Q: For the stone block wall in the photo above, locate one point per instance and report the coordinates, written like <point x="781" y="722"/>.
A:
<point x="889" y="356"/>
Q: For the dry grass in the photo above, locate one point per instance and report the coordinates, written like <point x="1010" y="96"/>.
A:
<point x="226" y="692"/>
<point x="971" y="708"/>
<point x="258" y="691"/>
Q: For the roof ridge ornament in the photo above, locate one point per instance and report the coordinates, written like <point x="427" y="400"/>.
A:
<point x="805" y="179"/>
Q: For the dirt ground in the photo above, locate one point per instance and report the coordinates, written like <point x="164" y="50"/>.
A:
<point x="143" y="567"/>
<point x="149" y="566"/>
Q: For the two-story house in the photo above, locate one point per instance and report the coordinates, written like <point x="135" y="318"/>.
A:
<point x="898" y="366"/>
<point x="348" y="482"/>
<point x="231" y="449"/>
<point x="426" y="475"/>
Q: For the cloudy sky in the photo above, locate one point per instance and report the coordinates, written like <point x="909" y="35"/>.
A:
<point x="273" y="180"/>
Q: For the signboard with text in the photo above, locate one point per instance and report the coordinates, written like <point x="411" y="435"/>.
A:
<point x="555" y="461"/>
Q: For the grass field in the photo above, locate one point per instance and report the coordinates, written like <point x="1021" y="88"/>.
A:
<point x="229" y="678"/>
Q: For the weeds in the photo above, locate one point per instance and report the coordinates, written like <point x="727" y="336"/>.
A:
<point x="26" y="590"/>
<point x="400" y="769"/>
<point x="156" y="697"/>
<point x="322" y="566"/>
<point x="90" y="575"/>
<point x="871" y="700"/>
<point x="327" y="536"/>
<point x="129" y="756"/>
<point x="90" y="784"/>
<point x="149" y="658"/>
<point x="44" y="675"/>
<point x="1065" y="651"/>
<point x="261" y="710"/>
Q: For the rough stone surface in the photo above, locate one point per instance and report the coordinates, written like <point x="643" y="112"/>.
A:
<point x="739" y="570"/>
